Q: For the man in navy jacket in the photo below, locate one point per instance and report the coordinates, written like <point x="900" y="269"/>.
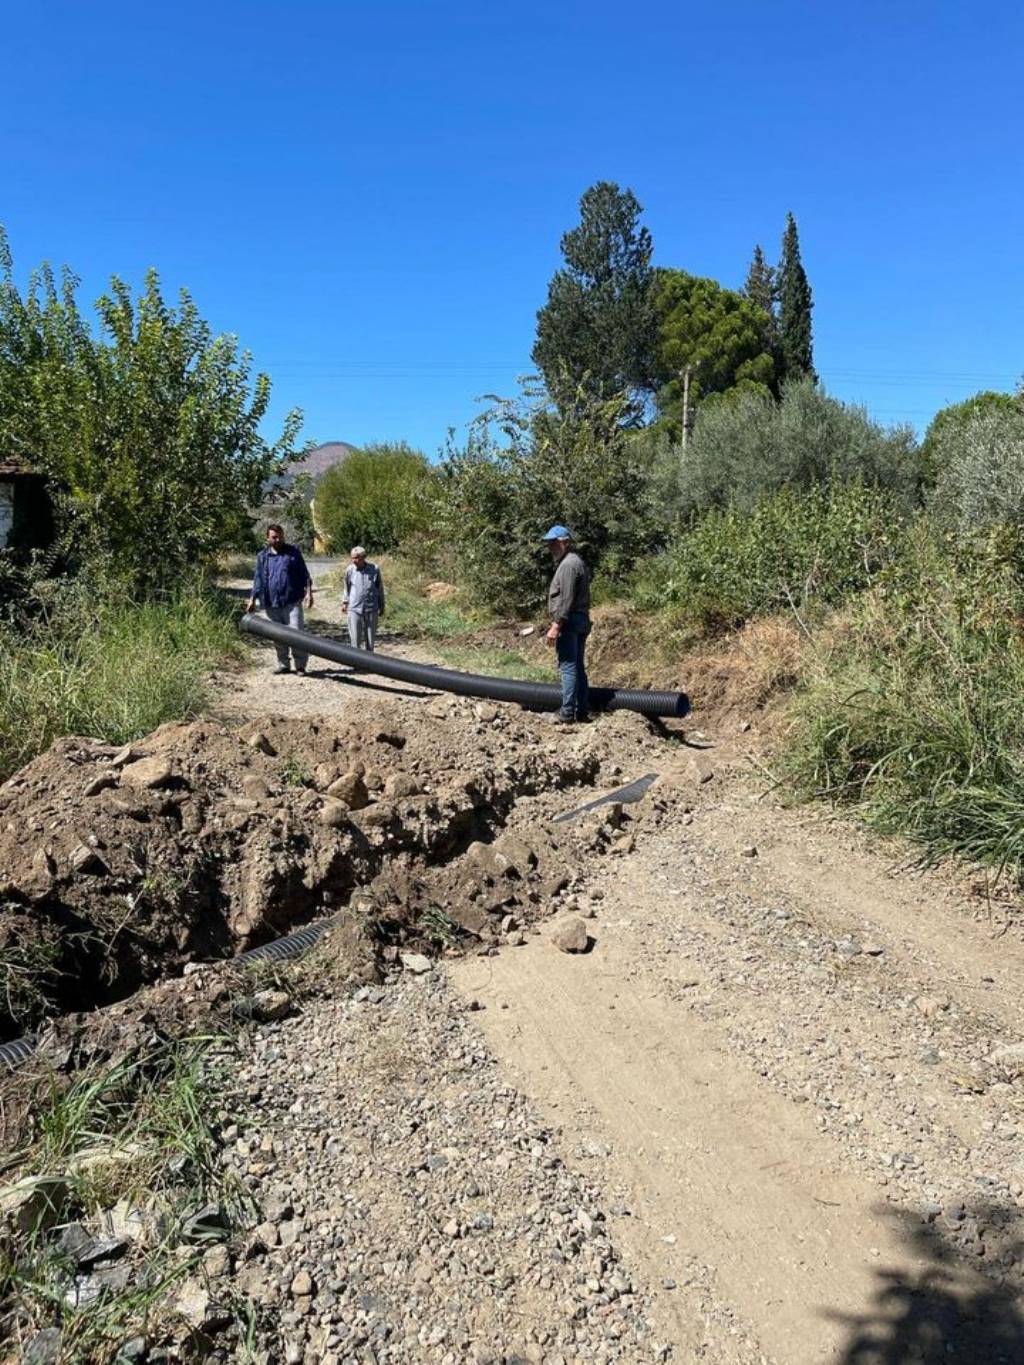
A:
<point x="279" y="585"/>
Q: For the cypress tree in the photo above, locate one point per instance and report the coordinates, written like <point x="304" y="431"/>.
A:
<point x="761" y="288"/>
<point x="794" y="293"/>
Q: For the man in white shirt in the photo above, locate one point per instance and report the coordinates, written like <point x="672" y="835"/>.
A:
<point x="363" y="599"/>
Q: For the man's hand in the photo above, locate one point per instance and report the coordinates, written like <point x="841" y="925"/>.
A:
<point x="344" y="607"/>
<point x="309" y="600"/>
<point x="554" y="630"/>
<point x="251" y="604"/>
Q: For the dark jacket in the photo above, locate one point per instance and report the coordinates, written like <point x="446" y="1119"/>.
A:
<point x="277" y="584"/>
<point x="569" y="592"/>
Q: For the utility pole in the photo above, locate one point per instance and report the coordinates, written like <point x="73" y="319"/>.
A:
<point x="686" y="406"/>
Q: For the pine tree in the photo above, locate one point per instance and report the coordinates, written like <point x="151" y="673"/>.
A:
<point x="794" y="294"/>
<point x="598" y="327"/>
<point x="761" y="288"/>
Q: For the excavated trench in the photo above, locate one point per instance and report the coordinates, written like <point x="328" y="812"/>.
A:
<point x="204" y="841"/>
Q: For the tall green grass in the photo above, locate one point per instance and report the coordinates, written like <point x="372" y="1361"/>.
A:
<point x="98" y="664"/>
<point x="912" y="712"/>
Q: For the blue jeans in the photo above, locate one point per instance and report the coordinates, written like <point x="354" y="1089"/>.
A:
<point x="288" y="616"/>
<point x="569" y="649"/>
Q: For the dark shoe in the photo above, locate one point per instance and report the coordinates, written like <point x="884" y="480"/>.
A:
<point x="301" y="672"/>
<point x="559" y="719"/>
<point x="282" y="668"/>
<point x="584" y="720"/>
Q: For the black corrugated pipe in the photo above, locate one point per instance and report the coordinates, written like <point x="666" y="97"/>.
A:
<point x="538" y="696"/>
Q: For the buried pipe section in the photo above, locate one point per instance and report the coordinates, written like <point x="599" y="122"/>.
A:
<point x="536" y="696"/>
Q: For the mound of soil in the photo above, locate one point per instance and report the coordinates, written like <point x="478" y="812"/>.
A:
<point x="205" y="839"/>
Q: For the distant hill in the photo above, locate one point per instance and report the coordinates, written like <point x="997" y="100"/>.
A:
<point x="321" y="458"/>
<point x="317" y="462"/>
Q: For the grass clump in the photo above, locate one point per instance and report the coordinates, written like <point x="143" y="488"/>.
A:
<point x="93" y="663"/>
<point x="143" y="1130"/>
<point x="911" y="710"/>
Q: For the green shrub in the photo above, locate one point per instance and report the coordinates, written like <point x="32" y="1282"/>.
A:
<point x="746" y="445"/>
<point x="913" y="714"/>
<point x="527" y="465"/>
<point x="378" y="497"/>
<point x="789" y="550"/>
<point x="980" y="463"/>
<point x="94" y="663"/>
<point x="946" y="428"/>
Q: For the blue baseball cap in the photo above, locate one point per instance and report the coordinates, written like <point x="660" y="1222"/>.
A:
<point x="559" y="533"/>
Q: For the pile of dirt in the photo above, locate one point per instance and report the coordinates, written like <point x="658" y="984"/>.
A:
<point x="205" y="839"/>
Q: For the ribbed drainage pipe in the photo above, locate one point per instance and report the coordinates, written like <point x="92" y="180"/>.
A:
<point x="537" y="696"/>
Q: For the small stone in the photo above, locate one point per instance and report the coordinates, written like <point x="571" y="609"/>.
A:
<point x="571" y="936"/>
<point x="931" y="1005"/>
<point x="871" y="949"/>
<point x="400" y="785"/>
<point x="123" y="756"/>
<point x="261" y="744"/>
<point x="485" y="712"/>
<point x="1010" y="1054"/>
<point x="44" y="1348"/>
<point x="416" y="963"/>
<point x="270" y="1005"/>
<point x="302" y="1285"/>
<point x="33" y="1204"/>
<point x="748" y="851"/>
<point x="100" y="783"/>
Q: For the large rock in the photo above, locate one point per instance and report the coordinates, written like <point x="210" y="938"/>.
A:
<point x="350" y="789"/>
<point x="399" y="785"/>
<point x="150" y="773"/>
<point x="571" y="935"/>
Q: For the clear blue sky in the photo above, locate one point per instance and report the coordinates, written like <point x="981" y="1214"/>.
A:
<point x="371" y="196"/>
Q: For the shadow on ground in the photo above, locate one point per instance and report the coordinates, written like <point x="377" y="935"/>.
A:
<point x="944" y="1311"/>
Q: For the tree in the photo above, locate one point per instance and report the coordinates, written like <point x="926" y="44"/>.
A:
<point x="947" y="429"/>
<point x="746" y="445"/>
<point x="528" y="463"/>
<point x="718" y="333"/>
<point x="148" y="432"/>
<point x="761" y="288"/>
<point x="596" y="333"/>
<point x="377" y="497"/>
<point x="794" y="294"/>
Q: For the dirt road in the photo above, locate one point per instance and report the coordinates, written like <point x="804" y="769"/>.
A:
<point x="790" y="1068"/>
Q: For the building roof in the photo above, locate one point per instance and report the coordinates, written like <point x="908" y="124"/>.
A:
<point x="11" y="468"/>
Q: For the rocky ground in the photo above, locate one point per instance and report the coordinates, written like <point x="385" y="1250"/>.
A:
<point x="698" y="1078"/>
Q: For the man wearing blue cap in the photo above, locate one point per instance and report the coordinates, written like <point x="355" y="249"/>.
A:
<point x="569" y="609"/>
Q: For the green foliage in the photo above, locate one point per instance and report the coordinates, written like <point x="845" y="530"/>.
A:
<point x="791" y="550"/>
<point x="794" y="294"/>
<point x="761" y="288"/>
<point x="597" y="329"/>
<point x="527" y="464"/>
<point x="912" y="714"/>
<point x="378" y="497"/>
<point x="981" y="470"/>
<point x="747" y="445"/>
<point x="91" y="662"/>
<point x="955" y="427"/>
<point x="148" y="432"/>
<point x="719" y="334"/>
<point x="411" y="610"/>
